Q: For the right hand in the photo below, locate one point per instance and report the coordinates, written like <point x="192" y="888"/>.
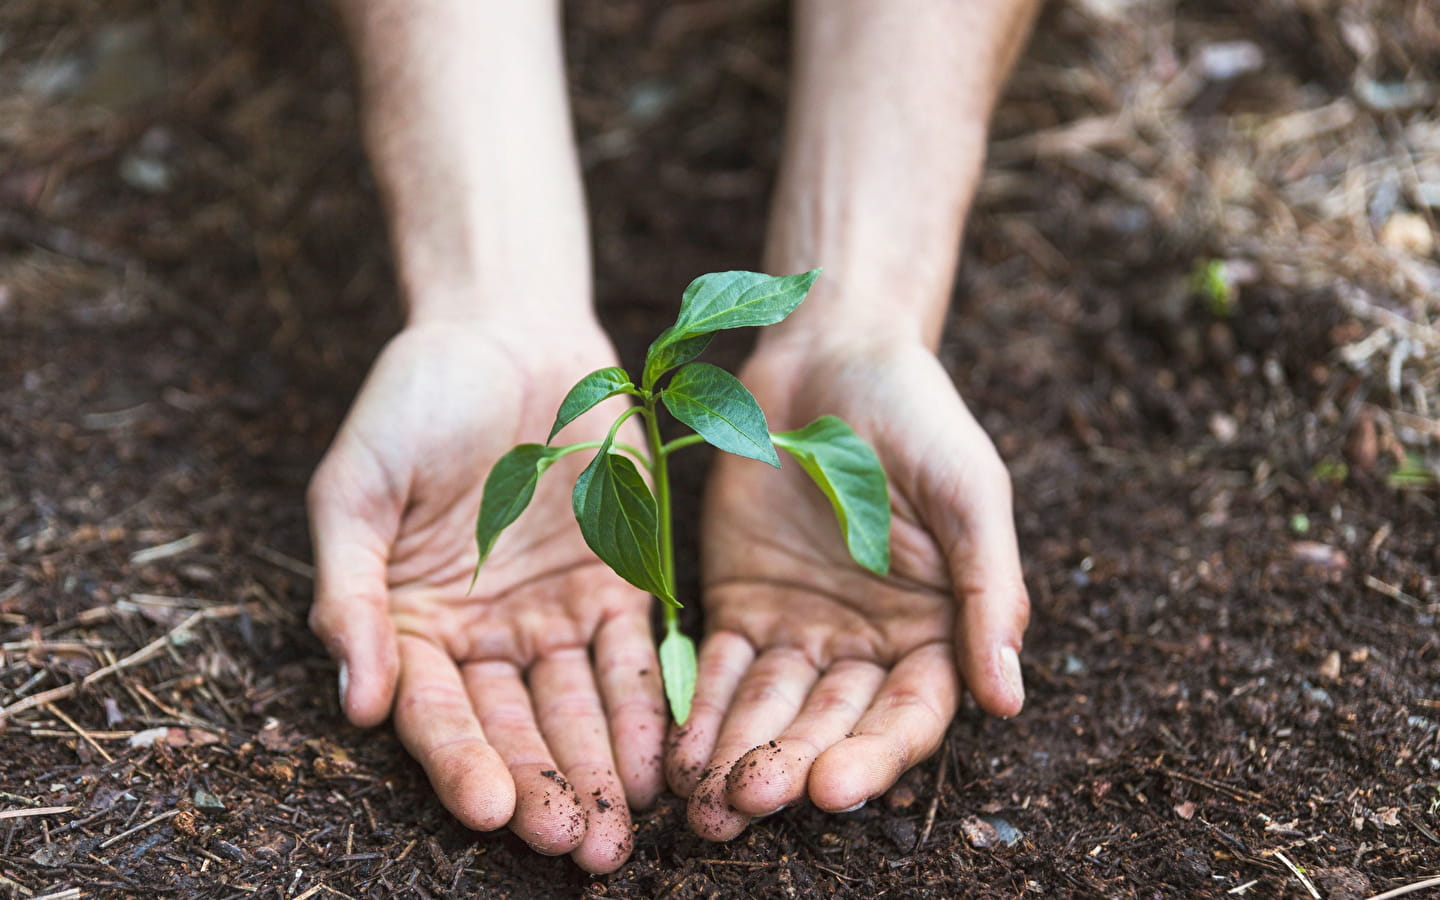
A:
<point x="534" y="698"/>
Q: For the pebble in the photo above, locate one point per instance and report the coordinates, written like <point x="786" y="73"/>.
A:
<point x="987" y="831"/>
<point x="1315" y="695"/>
<point x="1007" y="833"/>
<point x="1408" y="233"/>
<point x="900" y="832"/>
<point x="51" y="856"/>
<point x="1329" y="669"/>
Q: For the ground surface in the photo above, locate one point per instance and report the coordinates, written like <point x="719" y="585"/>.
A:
<point x="1230" y="534"/>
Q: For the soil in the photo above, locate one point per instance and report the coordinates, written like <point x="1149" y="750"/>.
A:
<point x="1234" y="668"/>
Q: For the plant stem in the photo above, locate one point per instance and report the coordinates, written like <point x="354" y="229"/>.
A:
<point x="639" y="455"/>
<point x="660" y="469"/>
<point x="682" y="442"/>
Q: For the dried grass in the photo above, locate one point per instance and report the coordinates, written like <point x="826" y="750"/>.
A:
<point x="1326" y="187"/>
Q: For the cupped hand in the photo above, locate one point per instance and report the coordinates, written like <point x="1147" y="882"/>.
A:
<point x="534" y="698"/>
<point x="818" y="679"/>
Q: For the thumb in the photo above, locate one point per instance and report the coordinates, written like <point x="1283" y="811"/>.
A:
<point x="969" y="509"/>
<point x="351" y="533"/>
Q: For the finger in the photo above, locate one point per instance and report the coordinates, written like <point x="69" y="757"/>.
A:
<point x="548" y="816"/>
<point x="994" y="608"/>
<point x="766" y="701"/>
<point x="568" y="708"/>
<point x="436" y="723"/>
<point x="724" y="657"/>
<point x="904" y="724"/>
<point x="351" y="609"/>
<point x="773" y="776"/>
<point x="629" y="675"/>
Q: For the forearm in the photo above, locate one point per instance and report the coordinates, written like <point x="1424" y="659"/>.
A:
<point x="885" y="142"/>
<point x="468" y="131"/>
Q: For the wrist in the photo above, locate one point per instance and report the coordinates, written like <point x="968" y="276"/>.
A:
<point x="535" y="301"/>
<point x="843" y="314"/>
<point x="786" y="362"/>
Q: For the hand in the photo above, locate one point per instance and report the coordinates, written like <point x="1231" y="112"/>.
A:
<point x="493" y="689"/>
<point x="816" y="677"/>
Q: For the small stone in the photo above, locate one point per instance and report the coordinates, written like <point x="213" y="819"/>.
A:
<point x="1224" y="60"/>
<point x="906" y="792"/>
<point x="900" y="797"/>
<point x="146" y="173"/>
<point x="900" y="832"/>
<point x="1407" y="232"/>
<point x="208" y="803"/>
<point x="1224" y="427"/>
<point x="1329" y="669"/>
<point x="51" y="856"/>
<point x="1185" y="810"/>
<point x="1008" y="834"/>
<point x="979" y="832"/>
<point x="1316" y="696"/>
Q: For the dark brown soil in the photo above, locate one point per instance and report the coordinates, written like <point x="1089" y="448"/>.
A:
<point x="1213" y="692"/>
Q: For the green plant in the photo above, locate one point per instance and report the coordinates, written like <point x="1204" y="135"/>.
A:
<point x="627" y="525"/>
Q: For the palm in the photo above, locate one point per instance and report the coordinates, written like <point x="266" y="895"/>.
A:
<point x="494" y="691"/>
<point x="542" y="565"/>
<point x="777" y="569"/>
<point x="804" y="647"/>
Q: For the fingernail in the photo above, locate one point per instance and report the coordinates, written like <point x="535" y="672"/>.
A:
<point x="851" y="808"/>
<point x="344" y="679"/>
<point x="1010" y="671"/>
<point x="772" y="812"/>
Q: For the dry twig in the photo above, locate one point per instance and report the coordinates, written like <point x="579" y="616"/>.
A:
<point x="139" y="656"/>
<point x="37" y="811"/>
<point x="1309" y="885"/>
<point x="934" y="802"/>
<point x="1408" y="889"/>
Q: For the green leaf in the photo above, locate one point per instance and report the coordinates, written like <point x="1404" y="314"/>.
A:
<point x="849" y="473"/>
<point x="677" y="669"/>
<point x="1412" y="473"/>
<point x="719" y="301"/>
<point x="508" y="489"/>
<point x="620" y="521"/>
<point x="666" y="353"/>
<point x="740" y="299"/>
<point x="599" y="385"/>
<point x="720" y="409"/>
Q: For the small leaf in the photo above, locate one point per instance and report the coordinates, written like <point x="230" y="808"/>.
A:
<point x="508" y="490"/>
<point x="666" y="352"/>
<point x="740" y="299"/>
<point x="850" y="475"/>
<point x="677" y="670"/>
<point x="620" y="521"/>
<point x="1412" y="473"/>
<point x="599" y="385"/>
<point x="721" y="410"/>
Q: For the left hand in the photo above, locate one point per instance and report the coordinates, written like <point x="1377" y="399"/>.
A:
<point x="818" y="678"/>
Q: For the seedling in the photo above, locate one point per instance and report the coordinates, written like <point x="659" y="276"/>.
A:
<point x="627" y="525"/>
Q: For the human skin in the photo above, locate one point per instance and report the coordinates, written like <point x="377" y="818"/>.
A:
<point x="493" y="689"/>
<point x="524" y="697"/>
<point x="855" y="678"/>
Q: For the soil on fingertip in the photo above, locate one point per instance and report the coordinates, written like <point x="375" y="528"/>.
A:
<point x="1224" y="484"/>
